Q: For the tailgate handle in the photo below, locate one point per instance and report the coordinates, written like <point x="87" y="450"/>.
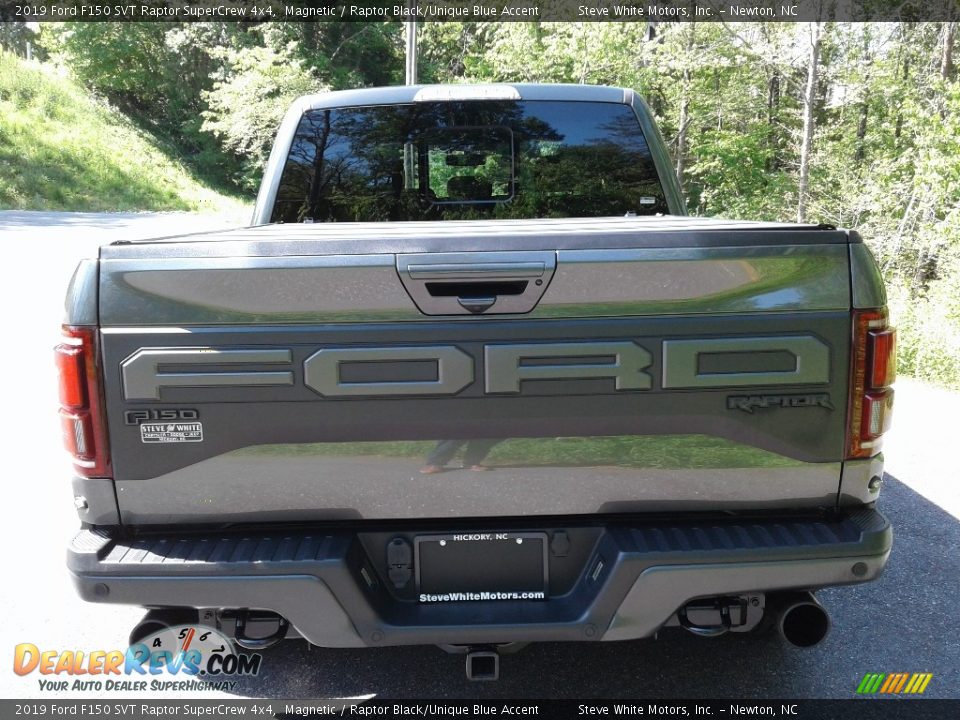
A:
<point x="492" y="270"/>
<point x="471" y="283"/>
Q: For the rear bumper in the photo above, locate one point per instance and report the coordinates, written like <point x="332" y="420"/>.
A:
<point x="634" y="577"/>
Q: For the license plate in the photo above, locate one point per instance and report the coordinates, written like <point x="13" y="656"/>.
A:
<point x="481" y="566"/>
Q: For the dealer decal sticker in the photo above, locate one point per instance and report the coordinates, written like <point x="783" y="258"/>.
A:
<point x="171" y="432"/>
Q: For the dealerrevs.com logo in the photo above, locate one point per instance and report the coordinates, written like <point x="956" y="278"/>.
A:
<point x="201" y="658"/>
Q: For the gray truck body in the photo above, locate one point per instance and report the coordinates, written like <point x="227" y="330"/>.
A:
<point x="666" y="395"/>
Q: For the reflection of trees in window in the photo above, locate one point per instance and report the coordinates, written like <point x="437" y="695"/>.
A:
<point x="471" y="159"/>
<point x="469" y="164"/>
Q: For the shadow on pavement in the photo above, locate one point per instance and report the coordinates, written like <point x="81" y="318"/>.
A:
<point x="904" y="622"/>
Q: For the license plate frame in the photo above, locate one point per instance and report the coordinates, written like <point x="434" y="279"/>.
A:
<point x="481" y="566"/>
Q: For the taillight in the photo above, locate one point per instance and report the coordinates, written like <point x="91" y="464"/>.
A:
<point x="873" y="371"/>
<point x="882" y="357"/>
<point x="81" y="404"/>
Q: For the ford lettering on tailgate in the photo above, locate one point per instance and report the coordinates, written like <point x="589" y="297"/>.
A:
<point x="687" y="363"/>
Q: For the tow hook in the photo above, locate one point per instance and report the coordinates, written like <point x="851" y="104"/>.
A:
<point x="483" y="663"/>
<point x="261" y="643"/>
<point x="723" y="606"/>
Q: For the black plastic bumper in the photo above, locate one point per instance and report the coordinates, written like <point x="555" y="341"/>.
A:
<point x="631" y="578"/>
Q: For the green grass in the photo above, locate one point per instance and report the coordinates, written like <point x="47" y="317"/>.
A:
<point x="61" y="149"/>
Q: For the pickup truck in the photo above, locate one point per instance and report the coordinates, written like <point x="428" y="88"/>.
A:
<point x="473" y="378"/>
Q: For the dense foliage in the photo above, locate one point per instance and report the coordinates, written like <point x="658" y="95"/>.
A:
<point x="851" y="124"/>
<point x="60" y="149"/>
<point x="218" y="90"/>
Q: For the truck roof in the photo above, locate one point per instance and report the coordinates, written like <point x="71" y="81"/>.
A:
<point x="479" y="91"/>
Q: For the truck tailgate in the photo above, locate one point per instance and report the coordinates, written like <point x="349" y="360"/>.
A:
<point x="549" y="368"/>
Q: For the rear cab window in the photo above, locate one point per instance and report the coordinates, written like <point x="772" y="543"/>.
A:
<point x="468" y="160"/>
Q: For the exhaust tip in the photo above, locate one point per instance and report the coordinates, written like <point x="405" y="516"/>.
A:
<point x="804" y="624"/>
<point x="161" y="619"/>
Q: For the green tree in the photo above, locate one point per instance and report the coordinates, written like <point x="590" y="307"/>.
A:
<point x="246" y="105"/>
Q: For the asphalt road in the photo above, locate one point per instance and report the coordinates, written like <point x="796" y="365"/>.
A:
<point x="907" y="621"/>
